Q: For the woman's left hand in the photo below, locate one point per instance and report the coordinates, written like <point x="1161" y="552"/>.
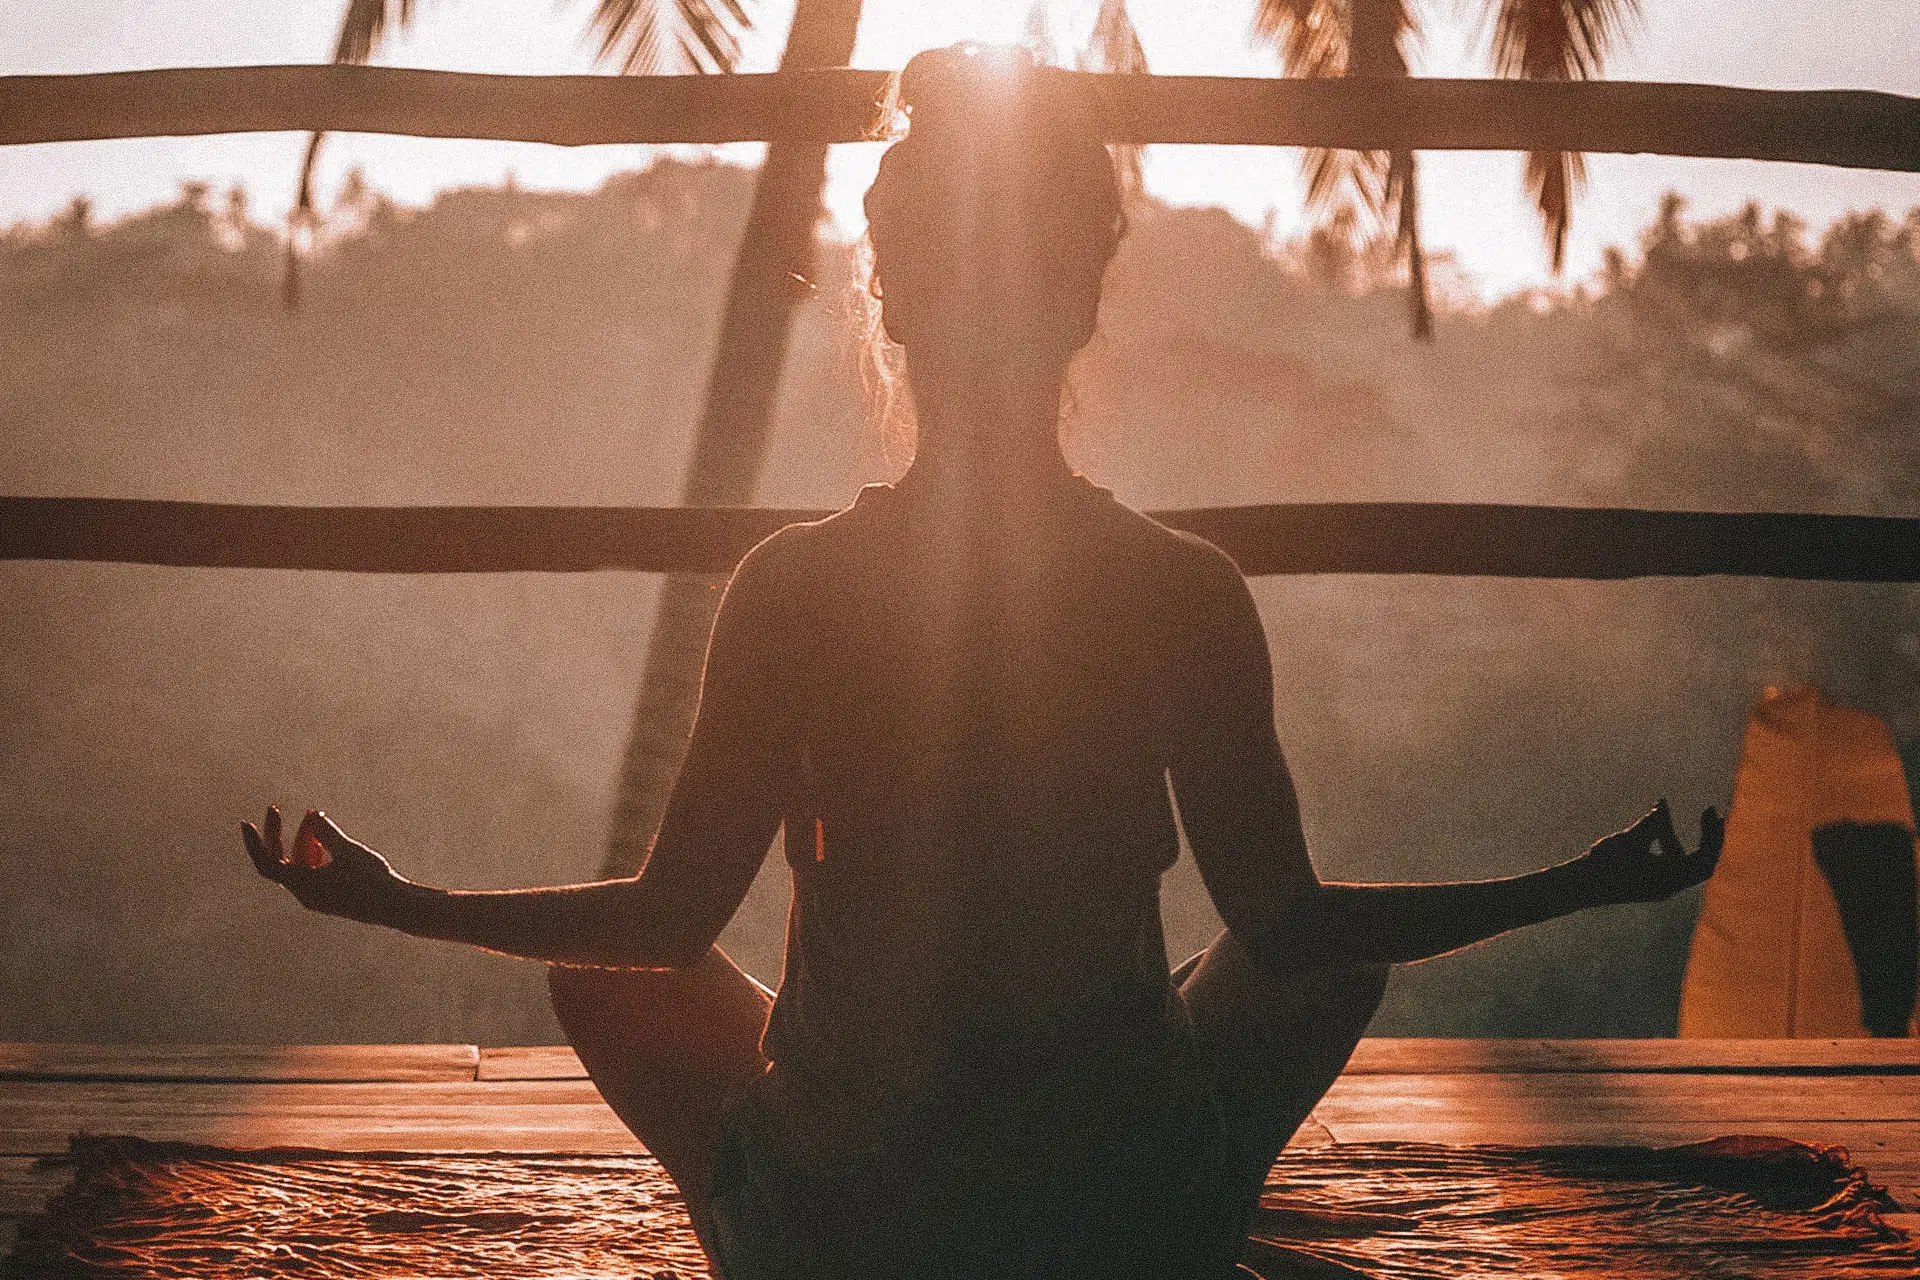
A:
<point x="1647" y="862"/>
<point x="329" y="871"/>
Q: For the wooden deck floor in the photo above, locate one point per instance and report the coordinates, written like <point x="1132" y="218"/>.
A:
<point x="1864" y="1095"/>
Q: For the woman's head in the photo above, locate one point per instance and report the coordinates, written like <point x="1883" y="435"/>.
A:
<point x="994" y="219"/>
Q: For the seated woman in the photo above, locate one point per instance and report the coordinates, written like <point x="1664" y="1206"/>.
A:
<point x="982" y="702"/>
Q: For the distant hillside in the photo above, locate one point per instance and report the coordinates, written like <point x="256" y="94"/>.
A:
<point x="509" y="346"/>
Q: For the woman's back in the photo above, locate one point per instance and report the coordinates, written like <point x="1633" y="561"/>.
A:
<point x="981" y="718"/>
<point x="978" y="719"/>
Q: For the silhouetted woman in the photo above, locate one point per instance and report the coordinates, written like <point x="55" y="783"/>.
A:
<point x="976" y="700"/>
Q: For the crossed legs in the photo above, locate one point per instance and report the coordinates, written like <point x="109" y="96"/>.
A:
<point x="670" y="1050"/>
<point x="1273" y="1046"/>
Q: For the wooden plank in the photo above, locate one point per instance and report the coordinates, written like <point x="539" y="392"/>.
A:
<point x="37" y="1117"/>
<point x="535" y="1131"/>
<point x="1375" y="1056"/>
<point x="1719" y="1099"/>
<point x="1853" y="128"/>
<point x="1487" y="539"/>
<point x="566" y="1115"/>
<point x="183" y="1062"/>
<point x="531" y="1062"/>
<point x="1708" y="1099"/>
<point x="579" y="110"/>
<point x="1409" y="1056"/>
<point x="1557" y="1092"/>
<point x="209" y="1097"/>
<point x="386" y="539"/>
<point x="1380" y="1055"/>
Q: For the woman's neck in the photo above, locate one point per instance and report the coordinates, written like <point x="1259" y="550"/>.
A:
<point x="993" y="437"/>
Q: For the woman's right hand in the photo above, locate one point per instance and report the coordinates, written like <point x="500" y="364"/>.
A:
<point x="1647" y="862"/>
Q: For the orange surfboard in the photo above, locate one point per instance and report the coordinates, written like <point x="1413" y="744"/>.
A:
<point x="1769" y="958"/>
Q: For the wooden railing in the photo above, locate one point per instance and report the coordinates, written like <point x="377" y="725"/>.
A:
<point x="1856" y="128"/>
<point x="1354" y="537"/>
<point x="1834" y="127"/>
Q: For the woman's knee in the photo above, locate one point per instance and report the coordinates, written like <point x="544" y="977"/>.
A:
<point x="1370" y="985"/>
<point x="579" y="1000"/>
<point x="1355" y="986"/>
<point x="619" y="1004"/>
<point x="1343" y="999"/>
<point x="564" y="982"/>
<point x="573" y="991"/>
<point x="706" y="1016"/>
<point x="1228" y="964"/>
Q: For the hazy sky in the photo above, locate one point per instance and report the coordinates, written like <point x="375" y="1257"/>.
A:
<point x="1473" y="204"/>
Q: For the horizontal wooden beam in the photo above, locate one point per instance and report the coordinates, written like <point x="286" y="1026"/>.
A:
<point x="255" y="1063"/>
<point x="1408" y="1057"/>
<point x="1296" y="538"/>
<point x="1386" y="1056"/>
<point x="1855" y="128"/>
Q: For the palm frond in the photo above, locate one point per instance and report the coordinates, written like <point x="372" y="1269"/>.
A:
<point x="1357" y="179"/>
<point x="1554" y="178"/>
<point x="365" y="24"/>
<point x="645" y="36"/>
<point x="1363" y="38"/>
<point x="667" y="37"/>
<point x="1314" y="39"/>
<point x="1310" y="35"/>
<point x="1558" y="40"/>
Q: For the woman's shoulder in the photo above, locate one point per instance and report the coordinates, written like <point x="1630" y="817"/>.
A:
<point x="792" y="552"/>
<point x="1185" y="555"/>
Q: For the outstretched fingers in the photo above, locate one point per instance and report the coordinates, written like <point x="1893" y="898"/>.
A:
<point x="263" y="862"/>
<point x="1699" y="865"/>
<point x="1665" y="838"/>
<point x="1654" y="828"/>
<point x="264" y="847"/>
<point x="1713" y="828"/>
<point x="1713" y="836"/>
<point x="1648" y="862"/>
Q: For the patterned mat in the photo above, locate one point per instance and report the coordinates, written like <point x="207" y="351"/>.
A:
<point x="1732" y="1209"/>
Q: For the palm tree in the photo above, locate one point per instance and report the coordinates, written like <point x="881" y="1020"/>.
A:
<point x="770" y="274"/>
<point x="1532" y="40"/>
<point x="1362" y="38"/>
<point x="770" y="278"/>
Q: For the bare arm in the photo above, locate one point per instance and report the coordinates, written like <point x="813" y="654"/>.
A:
<point x="1242" y="818"/>
<point x="725" y="808"/>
